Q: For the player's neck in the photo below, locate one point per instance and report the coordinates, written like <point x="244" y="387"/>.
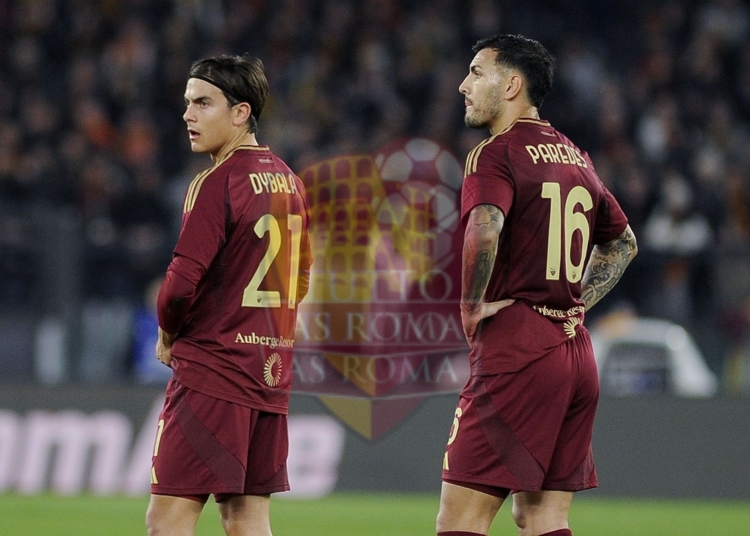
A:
<point x="241" y="137"/>
<point x="511" y="115"/>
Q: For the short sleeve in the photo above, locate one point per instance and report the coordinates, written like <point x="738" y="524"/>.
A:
<point x="488" y="180"/>
<point x="610" y="219"/>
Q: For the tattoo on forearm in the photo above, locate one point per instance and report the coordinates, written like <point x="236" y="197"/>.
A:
<point x="481" y="276"/>
<point x="480" y="250"/>
<point x="606" y="266"/>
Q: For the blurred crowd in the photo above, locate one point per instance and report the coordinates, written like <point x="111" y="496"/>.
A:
<point x="657" y="91"/>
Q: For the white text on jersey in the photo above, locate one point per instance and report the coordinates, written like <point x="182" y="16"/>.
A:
<point x="556" y="153"/>
<point x="273" y="183"/>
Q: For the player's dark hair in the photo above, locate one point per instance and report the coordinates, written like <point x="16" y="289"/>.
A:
<point x="528" y="56"/>
<point x="240" y="78"/>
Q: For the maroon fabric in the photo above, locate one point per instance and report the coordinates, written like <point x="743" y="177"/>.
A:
<point x="229" y="291"/>
<point x="529" y="430"/>
<point x="561" y="532"/>
<point x="552" y="200"/>
<point x="501" y="493"/>
<point x="206" y="445"/>
<point x="177" y="293"/>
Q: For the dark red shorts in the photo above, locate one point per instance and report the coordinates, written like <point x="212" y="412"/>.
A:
<point x="205" y="446"/>
<point x="528" y="430"/>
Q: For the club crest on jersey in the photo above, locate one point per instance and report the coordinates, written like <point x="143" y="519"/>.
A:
<point x="380" y="328"/>
<point x="272" y="370"/>
<point x="570" y="326"/>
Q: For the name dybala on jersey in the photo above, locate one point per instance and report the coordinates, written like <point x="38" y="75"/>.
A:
<point x="555" y="208"/>
<point x="239" y="269"/>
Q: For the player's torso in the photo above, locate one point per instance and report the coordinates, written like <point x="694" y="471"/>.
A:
<point x="241" y="325"/>
<point x="265" y="216"/>
<point x="547" y="233"/>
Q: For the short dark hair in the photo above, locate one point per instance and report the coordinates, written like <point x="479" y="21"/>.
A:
<point x="240" y="78"/>
<point x="528" y="56"/>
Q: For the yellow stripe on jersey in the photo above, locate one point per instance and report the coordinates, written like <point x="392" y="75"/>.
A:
<point x="197" y="182"/>
<point x="193" y="189"/>
<point x="473" y="158"/>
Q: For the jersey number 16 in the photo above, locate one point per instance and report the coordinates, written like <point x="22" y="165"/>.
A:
<point x="563" y="226"/>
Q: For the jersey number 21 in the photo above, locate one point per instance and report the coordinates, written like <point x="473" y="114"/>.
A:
<point x="253" y="296"/>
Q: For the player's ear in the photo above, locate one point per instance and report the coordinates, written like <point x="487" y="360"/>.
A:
<point x="241" y="113"/>
<point x="515" y="85"/>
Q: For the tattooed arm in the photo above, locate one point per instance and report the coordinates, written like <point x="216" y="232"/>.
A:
<point x="606" y="266"/>
<point x="479" y="252"/>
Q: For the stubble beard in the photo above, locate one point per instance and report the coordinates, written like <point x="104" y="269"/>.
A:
<point x="474" y="122"/>
<point x="482" y="118"/>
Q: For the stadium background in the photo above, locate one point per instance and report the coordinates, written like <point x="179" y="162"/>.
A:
<point x="94" y="162"/>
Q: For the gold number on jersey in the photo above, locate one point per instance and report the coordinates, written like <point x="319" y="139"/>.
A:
<point x="563" y="227"/>
<point x="452" y="436"/>
<point x="159" y="432"/>
<point x="253" y="296"/>
<point x="454" y="428"/>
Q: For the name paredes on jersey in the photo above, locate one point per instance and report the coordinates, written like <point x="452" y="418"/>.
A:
<point x="262" y="340"/>
<point x="556" y="153"/>
<point x="273" y="183"/>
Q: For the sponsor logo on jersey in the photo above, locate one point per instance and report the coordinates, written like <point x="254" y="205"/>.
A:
<point x="272" y="370"/>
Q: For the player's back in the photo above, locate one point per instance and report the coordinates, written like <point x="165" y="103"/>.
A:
<point x="555" y="208"/>
<point x="551" y="216"/>
<point x="262" y="254"/>
<point x="238" y="338"/>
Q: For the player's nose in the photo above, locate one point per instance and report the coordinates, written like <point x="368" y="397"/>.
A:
<point x="464" y="88"/>
<point x="188" y="115"/>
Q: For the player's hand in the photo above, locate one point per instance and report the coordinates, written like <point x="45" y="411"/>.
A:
<point x="470" y="318"/>
<point x="164" y="347"/>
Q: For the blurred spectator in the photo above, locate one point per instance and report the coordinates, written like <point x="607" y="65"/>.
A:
<point x="675" y="226"/>
<point x="678" y="233"/>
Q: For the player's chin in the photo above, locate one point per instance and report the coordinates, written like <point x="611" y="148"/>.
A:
<point x="472" y="121"/>
<point x="198" y="147"/>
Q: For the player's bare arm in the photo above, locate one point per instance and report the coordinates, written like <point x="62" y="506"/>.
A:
<point x="479" y="252"/>
<point x="606" y="266"/>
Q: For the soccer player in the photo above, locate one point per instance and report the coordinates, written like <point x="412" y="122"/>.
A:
<point x="227" y="314"/>
<point x="544" y="241"/>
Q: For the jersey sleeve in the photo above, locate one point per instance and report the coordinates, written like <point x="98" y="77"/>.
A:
<point x="488" y="180"/>
<point x="610" y="219"/>
<point x="306" y="254"/>
<point x="201" y="237"/>
<point x="177" y="293"/>
<point x="205" y="219"/>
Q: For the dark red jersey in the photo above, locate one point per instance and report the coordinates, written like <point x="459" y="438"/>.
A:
<point x="555" y="208"/>
<point x="240" y="267"/>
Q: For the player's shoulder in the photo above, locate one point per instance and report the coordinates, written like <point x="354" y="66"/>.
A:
<point x="238" y="161"/>
<point x="525" y="129"/>
<point x="487" y="153"/>
<point x="247" y="159"/>
<point x="249" y="156"/>
<point x="518" y="132"/>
